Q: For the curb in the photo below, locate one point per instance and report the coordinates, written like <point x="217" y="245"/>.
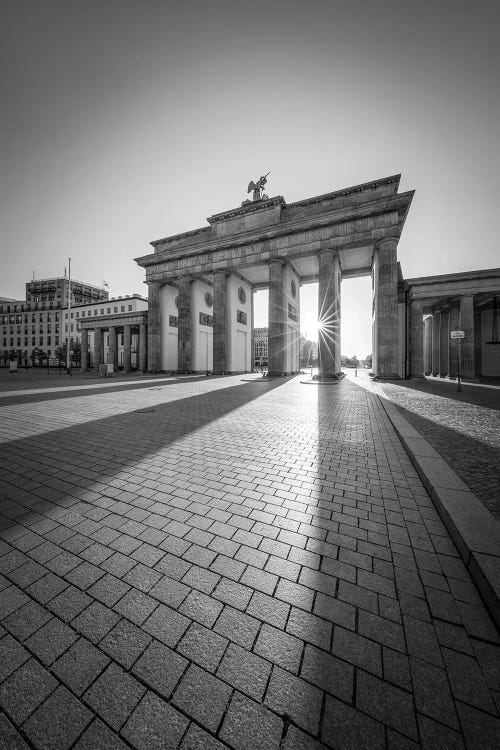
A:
<point x="470" y="524"/>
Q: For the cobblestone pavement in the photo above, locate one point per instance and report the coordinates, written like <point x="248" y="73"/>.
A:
<point x="463" y="427"/>
<point x="215" y="563"/>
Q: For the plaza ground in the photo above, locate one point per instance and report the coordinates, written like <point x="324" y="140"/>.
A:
<point x="219" y="563"/>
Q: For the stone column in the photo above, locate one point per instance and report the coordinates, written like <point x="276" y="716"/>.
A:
<point x="467" y="345"/>
<point x="154" y="327"/>
<point x="252" y="334"/>
<point x="428" y="345"/>
<point x="84" y="362"/>
<point x="184" y="321"/>
<point x="143" y="347"/>
<point x="436" y="335"/>
<point x="276" y="334"/>
<point x="127" y="339"/>
<point x="453" y="324"/>
<point x="478" y="344"/>
<point x="113" y="348"/>
<point x="329" y="313"/>
<point x="386" y="308"/>
<point x="416" y="339"/>
<point x="444" y="344"/>
<point x="98" y="348"/>
<point x="220" y="324"/>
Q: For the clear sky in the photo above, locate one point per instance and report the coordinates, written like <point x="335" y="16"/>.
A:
<point x="124" y="121"/>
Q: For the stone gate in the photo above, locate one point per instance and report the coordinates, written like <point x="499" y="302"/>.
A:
<point x="201" y="283"/>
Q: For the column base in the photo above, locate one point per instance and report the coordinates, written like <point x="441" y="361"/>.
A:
<point x="386" y="376"/>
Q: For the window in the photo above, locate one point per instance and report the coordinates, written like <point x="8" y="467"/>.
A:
<point x="115" y="309"/>
<point x="108" y="311"/>
<point x="122" y="308"/>
<point x="102" y="311"/>
<point x="95" y="312"/>
<point x="77" y="314"/>
<point x="130" y="308"/>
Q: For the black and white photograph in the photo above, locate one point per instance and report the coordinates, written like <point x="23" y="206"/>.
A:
<point x="249" y="375"/>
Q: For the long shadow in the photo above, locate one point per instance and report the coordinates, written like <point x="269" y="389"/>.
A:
<point x="86" y="390"/>
<point x="470" y="394"/>
<point x="99" y="449"/>
<point x="476" y="463"/>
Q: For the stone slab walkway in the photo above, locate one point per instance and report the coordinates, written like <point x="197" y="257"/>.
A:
<point x="212" y="563"/>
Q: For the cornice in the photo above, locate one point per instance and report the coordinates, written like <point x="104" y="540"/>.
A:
<point x="377" y="206"/>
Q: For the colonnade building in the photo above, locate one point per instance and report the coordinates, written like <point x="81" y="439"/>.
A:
<point x="201" y="285"/>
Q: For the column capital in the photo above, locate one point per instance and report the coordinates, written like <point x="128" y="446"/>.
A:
<point x="387" y="241"/>
<point x="276" y="260"/>
<point x="333" y="250"/>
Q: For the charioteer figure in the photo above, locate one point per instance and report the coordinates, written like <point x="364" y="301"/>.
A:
<point x="258" y="188"/>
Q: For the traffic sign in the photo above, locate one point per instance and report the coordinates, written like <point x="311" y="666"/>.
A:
<point x="457" y="334"/>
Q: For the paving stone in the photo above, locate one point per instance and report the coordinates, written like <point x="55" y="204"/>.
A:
<point x="488" y="657"/>
<point x="9" y="738"/>
<point x="47" y="588"/>
<point x="477" y="622"/>
<point x="80" y="665"/>
<point x="335" y="610"/>
<point x="155" y="724"/>
<point x="422" y="641"/>
<point x="136" y="606"/>
<point x="381" y="630"/>
<point x="480" y="730"/>
<point x="12" y="599"/>
<point x="125" y="643"/>
<point x="118" y="564"/>
<point x="201" y="579"/>
<point x="99" y="737"/>
<point x="453" y="636"/>
<point x="328" y="673"/>
<point x="114" y="695"/>
<point x="28" y="573"/>
<point x="357" y="650"/>
<point x="467" y="681"/>
<point x="108" y="590"/>
<point x="268" y="609"/>
<point x="197" y="739"/>
<point x="436" y="736"/>
<point x="248" y="725"/>
<point x="203" y="697"/>
<point x="26" y="620"/>
<point x="386" y="703"/>
<point x="51" y="640"/>
<point x="432" y="693"/>
<point x="12" y="655"/>
<point x="245" y="671"/>
<point x="358" y="596"/>
<point x="309" y="628"/>
<point x="69" y="603"/>
<point x="396" y="668"/>
<point x="58" y="722"/>
<point x="346" y="728"/>
<point x="203" y="646"/>
<point x="25" y="690"/>
<point x="280" y="648"/>
<point x="95" y="622"/>
<point x="287" y="694"/>
<point x="169" y="591"/>
<point x="295" y="594"/>
<point x="167" y="625"/>
<point x="202" y="608"/>
<point x="173" y="566"/>
<point x="233" y="593"/>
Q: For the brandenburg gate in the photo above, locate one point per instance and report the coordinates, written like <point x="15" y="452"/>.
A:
<point x="201" y="282"/>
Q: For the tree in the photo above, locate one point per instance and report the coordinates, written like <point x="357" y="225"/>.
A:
<point x="76" y="357"/>
<point x="39" y="355"/>
<point x="368" y="360"/>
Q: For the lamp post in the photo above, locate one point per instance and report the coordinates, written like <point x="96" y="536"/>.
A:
<point x="68" y="340"/>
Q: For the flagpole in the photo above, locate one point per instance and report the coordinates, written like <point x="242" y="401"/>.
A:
<point x="68" y="355"/>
